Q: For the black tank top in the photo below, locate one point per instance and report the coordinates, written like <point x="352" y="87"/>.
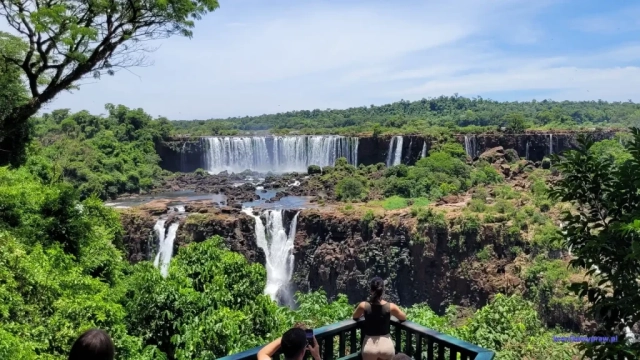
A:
<point x="377" y="319"/>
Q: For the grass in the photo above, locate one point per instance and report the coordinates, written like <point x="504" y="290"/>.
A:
<point x="395" y="203"/>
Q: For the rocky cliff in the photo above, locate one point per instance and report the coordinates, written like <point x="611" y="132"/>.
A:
<point x="187" y="154"/>
<point x="340" y="253"/>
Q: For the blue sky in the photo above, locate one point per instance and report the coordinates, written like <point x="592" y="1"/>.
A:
<point x="255" y="56"/>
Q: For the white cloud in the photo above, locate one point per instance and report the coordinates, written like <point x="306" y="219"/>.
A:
<point x="249" y="58"/>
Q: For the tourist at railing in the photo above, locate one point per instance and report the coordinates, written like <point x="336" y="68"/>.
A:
<point x="376" y="328"/>
<point x="94" y="344"/>
<point x="292" y="345"/>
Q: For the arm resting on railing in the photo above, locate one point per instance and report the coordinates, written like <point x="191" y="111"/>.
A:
<point x="268" y="350"/>
<point x="398" y="313"/>
<point x="357" y="314"/>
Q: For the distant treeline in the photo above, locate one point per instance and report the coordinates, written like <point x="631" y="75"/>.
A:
<point x="427" y="115"/>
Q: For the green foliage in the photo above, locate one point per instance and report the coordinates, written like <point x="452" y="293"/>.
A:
<point x="429" y="218"/>
<point x="434" y="116"/>
<point x="314" y="169"/>
<point x="394" y="203"/>
<point x="102" y="156"/>
<point x="603" y="233"/>
<point x="483" y="255"/>
<point x="613" y="150"/>
<point x="511" y="326"/>
<point x="13" y="94"/>
<point x="67" y="42"/>
<point x="350" y="188"/>
<point x="515" y="123"/>
<point x="484" y="173"/>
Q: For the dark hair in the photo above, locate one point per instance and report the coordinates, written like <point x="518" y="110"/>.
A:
<point x="94" y="344"/>
<point x="401" y="356"/>
<point x="377" y="288"/>
<point x="293" y="342"/>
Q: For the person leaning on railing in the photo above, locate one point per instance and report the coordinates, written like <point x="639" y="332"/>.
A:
<point x="292" y="345"/>
<point x="376" y="328"/>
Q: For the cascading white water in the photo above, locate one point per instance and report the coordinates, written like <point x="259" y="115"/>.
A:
<point x="398" y="152"/>
<point x="527" y="152"/>
<point x="165" y="242"/>
<point x="277" y="154"/>
<point x="424" y="150"/>
<point x="470" y="146"/>
<point x="278" y="250"/>
<point x="550" y="144"/>
<point x="394" y="155"/>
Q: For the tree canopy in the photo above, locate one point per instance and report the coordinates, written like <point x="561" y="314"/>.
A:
<point x="58" y="43"/>
<point x="603" y="232"/>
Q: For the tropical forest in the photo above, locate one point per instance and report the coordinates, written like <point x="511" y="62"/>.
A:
<point x="510" y="225"/>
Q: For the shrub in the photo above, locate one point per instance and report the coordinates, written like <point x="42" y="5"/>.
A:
<point x="314" y="169"/>
<point x="483" y="255"/>
<point x="398" y="170"/>
<point x="477" y="205"/>
<point x="350" y="188"/>
<point x="201" y="172"/>
<point x="480" y="193"/>
<point x="327" y="169"/>
<point x="369" y="220"/>
<point x="511" y="155"/>
<point x="428" y="217"/>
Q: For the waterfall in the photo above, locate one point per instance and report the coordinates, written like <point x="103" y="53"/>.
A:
<point x="394" y="155"/>
<point x="183" y="158"/>
<point x="276" y="154"/>
<point x="424" y="149"/>
<point x="278" y="250"/>
<point x="398" y="152"/>
<point x="165" y="248"/>
<point x="470" y="146"/>
<point x="550" y="144"/>
<point x="527" y="151"/>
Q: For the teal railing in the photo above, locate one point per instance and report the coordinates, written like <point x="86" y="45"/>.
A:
<point x="343" y="340"/>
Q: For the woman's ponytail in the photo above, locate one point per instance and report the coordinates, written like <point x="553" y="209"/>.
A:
<point x="377" y="289"/>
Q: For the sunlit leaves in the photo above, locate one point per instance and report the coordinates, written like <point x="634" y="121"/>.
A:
<point x="602" y="183"/>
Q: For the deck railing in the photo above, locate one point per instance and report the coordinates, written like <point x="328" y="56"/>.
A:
<point x="343" y="340"/>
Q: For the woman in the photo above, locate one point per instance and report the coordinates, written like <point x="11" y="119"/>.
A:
<point x="94" y="344"/>
<point x="377" y="344"/>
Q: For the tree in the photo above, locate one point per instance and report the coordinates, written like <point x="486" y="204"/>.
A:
<point x="12" y="94"/>
<point x="515" y="123"/>
<point x="603" y="232"/>
<point x="63" y="42"/>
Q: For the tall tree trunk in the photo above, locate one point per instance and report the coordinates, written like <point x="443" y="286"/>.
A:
<point x="15" y="134"/>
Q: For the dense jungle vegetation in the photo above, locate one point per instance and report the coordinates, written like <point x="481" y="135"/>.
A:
<point x="62" y="268"/>
<point x="429" y="116"/>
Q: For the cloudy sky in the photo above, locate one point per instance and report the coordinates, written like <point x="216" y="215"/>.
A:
<point x="252" y="57"/>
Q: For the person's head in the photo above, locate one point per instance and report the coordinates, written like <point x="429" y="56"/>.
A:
<point x="377" y="289"/>
<point x="401" y="356"/>
<point x="293" y="344"/>
<point x="300" y="325"/>
<point x="94" y="344"/>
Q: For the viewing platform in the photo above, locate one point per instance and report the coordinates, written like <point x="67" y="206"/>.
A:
<point x="343" y="340"/>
